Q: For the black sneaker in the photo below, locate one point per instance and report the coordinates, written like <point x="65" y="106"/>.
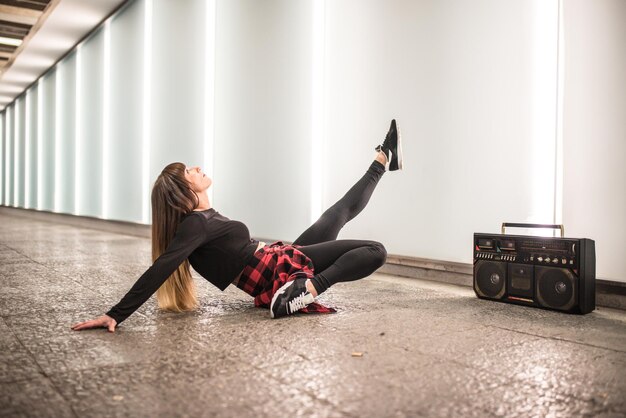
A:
<point x="392" y="147"/>
<point x="290" y="298"/>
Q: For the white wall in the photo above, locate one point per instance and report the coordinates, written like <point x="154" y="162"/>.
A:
<point x="65" y="136"/>
<point x="9" y="156"/>
<point x="2" y="158"/>
<point x="178" y="78"/>
<point x="89" y="165"/>
<point x="123" y="165"/>
<point x="20" y="154"/>
<point x="77" y="141"/>
<point x="31" y="180"/>
<point x="262" y="110"/>
<point x="47" y="162"/>
<point x="469" y="86"/>
<point x="594" y="129"/>
<point x="248" y="89"/>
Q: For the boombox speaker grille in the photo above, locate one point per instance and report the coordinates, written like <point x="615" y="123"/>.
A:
<point x="556" y="288"/>
<point x="490" y="278"/>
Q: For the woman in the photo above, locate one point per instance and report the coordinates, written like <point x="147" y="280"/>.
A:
<point x="186" y="230"/>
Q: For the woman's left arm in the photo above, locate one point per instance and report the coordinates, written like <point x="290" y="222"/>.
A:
<point x="188" y="237"/>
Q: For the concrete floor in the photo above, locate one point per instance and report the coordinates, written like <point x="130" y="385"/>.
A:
<point x="427" y="349"/>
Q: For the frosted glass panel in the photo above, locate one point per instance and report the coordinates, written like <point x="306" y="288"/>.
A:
<point x="178" y="84"/>
<point x="31" y="147"/>
<point x="89" y="135"/>
<point x="47" y="160"/>
<point x="2" y="159"/>
<point x="262" y="115"/>
<point x="20" y="154"/>
<point x="5" y="162"/>
<point x="594" y="131"/>
<point x="125" y="125"/>
<point x="10" y="160"/>
<point x="462" y="78"/>
<point x="66" y="139"/>
<point x="472" y="85"/>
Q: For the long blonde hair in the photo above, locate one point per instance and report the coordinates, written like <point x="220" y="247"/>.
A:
<point x="172" y="198"/>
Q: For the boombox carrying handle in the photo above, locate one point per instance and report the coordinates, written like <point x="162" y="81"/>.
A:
<point x="548" y="226"/>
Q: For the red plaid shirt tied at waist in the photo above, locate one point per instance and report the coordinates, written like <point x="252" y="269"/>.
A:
<point x="271" y="267"/>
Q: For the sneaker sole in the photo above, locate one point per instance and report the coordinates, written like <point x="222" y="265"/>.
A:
<point x="279" y="292"/>
<point x="399" y="148"/>
<point x="398" y="156"/>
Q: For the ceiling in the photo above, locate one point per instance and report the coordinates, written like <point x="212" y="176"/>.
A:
<point x="48" y="30"/>
<point x="17" y="19"/>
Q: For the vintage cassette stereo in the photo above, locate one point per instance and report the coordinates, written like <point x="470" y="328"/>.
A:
<point x="544" y="272"/>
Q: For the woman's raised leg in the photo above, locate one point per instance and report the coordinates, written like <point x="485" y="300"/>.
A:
<point x="340" y="260"/>
<point x="327" y="227"/>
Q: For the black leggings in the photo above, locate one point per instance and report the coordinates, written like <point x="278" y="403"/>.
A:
<point x="343" y="260"/>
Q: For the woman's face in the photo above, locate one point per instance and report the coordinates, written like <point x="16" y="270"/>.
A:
<point x="197" y="179"/>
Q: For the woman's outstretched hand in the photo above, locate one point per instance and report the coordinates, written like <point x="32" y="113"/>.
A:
<point x="103" y="321"/>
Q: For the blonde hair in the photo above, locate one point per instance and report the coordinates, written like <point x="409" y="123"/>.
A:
<point x="172" y="198"/>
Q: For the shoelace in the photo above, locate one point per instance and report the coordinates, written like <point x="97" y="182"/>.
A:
<point x="299" y="302"/>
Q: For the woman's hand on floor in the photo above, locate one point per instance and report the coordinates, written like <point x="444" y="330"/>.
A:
<point x="103" y="321"/>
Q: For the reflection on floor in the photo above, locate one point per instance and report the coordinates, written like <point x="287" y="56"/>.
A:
<point x="426" y="349"/>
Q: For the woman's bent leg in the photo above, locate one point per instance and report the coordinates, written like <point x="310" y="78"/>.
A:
<point x="343" y="261"/>
<point x="327" y="227"/>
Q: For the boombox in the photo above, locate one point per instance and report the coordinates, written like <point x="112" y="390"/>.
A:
<point x="544" y="272"/>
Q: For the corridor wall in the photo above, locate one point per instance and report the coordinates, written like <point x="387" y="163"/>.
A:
<point x="76" y="141"/>
<point x="282" y="103"/>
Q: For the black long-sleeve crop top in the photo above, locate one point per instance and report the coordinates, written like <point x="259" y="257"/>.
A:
<point x="217" y="247"/>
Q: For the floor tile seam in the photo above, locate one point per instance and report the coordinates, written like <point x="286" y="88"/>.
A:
<point x="127" y="365"/>
<point x="50" y="222"/>
<point x="41" y="310"/>
<point x="23" y="379"/>
<point x="201" y="316"/>
<point x="43" y="372"/>
<point x="4" y="245"/>
<point x="310" y="393"/>
<point x="557" y="338"/>
<point x="433" y="360"/>
<point x="490" y="371"/>
<point x="443" y="359"/>
<point x="605" y="408"/>
<point x="307" y="392"/>
<point x="484" y="411"/>
<point x="26" y="256"/>
<point x="506" y="346"/>
<point x="568" y="396"/>
<point x="116" y="366"/>
<point x="55" y="270"/>
<point x="417" y="350"/>
<point x="312" y="359"/>
<point x="79" y="282"/>
<point x="174" y="319"/>
<point x="21" y="343"/>
<point x="536" y="385"/>
<point x="436" y="335"/>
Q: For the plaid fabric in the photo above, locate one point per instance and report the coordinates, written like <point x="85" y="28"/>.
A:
<point x="273" y="266"/>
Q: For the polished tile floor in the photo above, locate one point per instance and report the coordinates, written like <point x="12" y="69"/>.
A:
<point x="396" y="347"/>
